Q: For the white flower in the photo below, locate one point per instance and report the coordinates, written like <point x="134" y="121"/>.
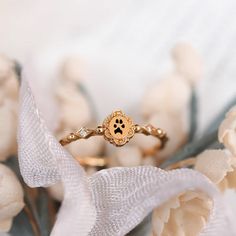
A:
<point x="11" y="197"/>
<point x="8" y="107"/>
<point x="188" y="62"/>
<point x="170" y="95"/>
<point x="6" y="66"/>
<point x="8" y="127"/>
<point x="231" y="112"/>
<point x="128" y="156"/>
<point x="72" y="69"/>
<point x="11" y="88"/>
<point x="185" y="214"/>
<point x="2" y="97"/>
<point x="90" y="147"/>
<point x="8" y="78"/>
<point x="173" y="125"/>
<point x="227" y="131"/>
<point x="74" y="107"/>
<point x="219" y="167"/>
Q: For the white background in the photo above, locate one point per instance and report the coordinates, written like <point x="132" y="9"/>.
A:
<point x="124" y="45"/>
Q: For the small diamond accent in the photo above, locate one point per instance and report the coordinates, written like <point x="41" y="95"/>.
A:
<point x="83" y="132"/>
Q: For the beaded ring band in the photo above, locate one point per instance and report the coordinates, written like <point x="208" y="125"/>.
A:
<point x="118" y="129"/>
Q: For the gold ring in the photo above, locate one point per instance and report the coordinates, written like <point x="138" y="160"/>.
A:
<point x="118" y="129"/>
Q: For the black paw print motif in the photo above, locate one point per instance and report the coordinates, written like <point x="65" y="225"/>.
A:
<point x="119" y="126"/>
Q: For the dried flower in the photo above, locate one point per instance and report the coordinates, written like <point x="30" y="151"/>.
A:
<point x="71" y="69"/>
<point x="8" y="123"/>
<point x="128" y="156"/>
<point x="11" y="197"/>
<point x="8" y="78"/>
<point x="74" y="107"/>
<point x="170" y="95"/>
<point x="219" y="167"/>
<point x="188" y="62"/>
<point x="75" y="111"/>
<point x="90" y="147"/>
<point x="227" y="131"/>
<point x="2" y="96"/>
<point x="11" y="88"/>
<point x="176" y="128"/>
<point x="231" y="112"/>
<point x="6" y="66"/>
<point x="185" y="214"/>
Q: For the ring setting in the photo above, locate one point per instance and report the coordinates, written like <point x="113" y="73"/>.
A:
<point x="118" y="129"/>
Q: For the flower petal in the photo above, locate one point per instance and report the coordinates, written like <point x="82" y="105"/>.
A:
<point x="188" y="62"/>
<point x="227" y="131"/>
<point x="170" y="95"/>
<point x="214" y="164"/>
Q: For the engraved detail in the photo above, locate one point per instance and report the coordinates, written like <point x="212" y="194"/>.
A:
<point x="119" y="128"/>
<point x="83" y="132"/>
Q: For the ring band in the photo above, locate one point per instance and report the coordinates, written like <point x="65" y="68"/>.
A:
<point x="118" y="129"/>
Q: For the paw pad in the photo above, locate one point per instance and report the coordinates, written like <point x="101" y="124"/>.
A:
<point x="119" y="126"/>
